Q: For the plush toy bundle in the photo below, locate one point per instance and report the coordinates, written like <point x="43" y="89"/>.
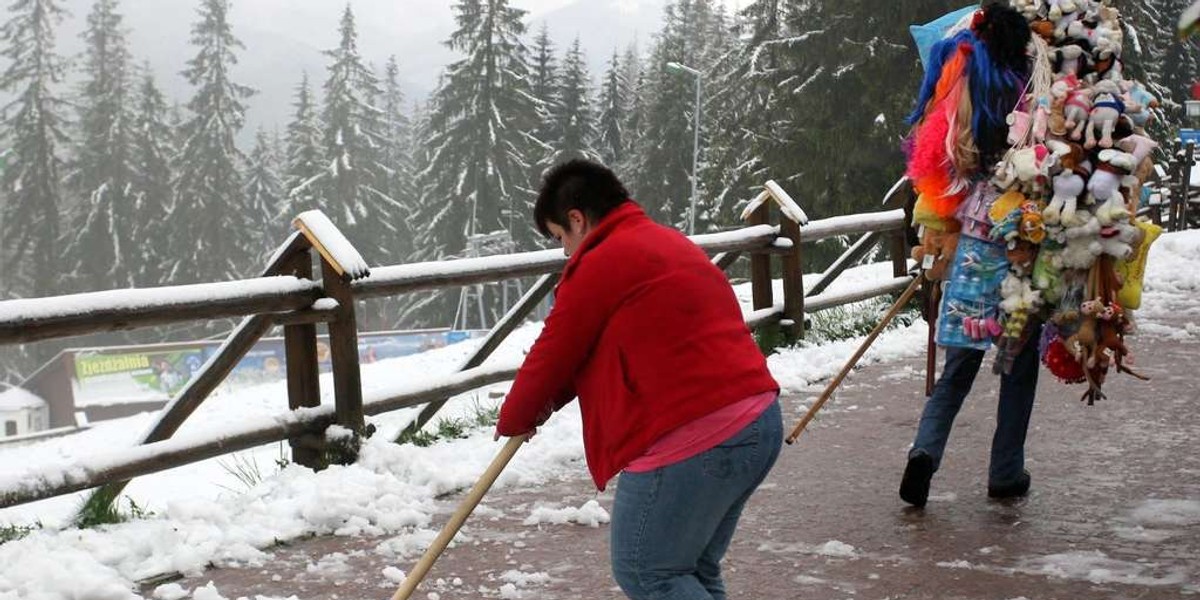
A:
<point x="1027" y="155"/>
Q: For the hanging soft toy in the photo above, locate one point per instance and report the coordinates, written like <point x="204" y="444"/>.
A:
<point x="1019" y="301"/>
<point x="1139" y="103"/>
<point x="1107" y="107"/>
<point x="1105" y="184"/>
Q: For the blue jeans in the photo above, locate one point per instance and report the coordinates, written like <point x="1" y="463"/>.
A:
<point x="671" y="526"/>
<point x="1017" y="390"/>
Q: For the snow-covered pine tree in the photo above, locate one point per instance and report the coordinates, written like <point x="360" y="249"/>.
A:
<point x="397" y="151"/>
<point x="304" y="156"/>
<point x="835" y="80"/>
<point x="263" y="197"/>
<point x="741" y="96"/>
<point x="635" y="102"/>
<point x="102" y="244"/>
<point x="660" y="169"/>
<point x="573" y="121"/>
<point x="609" y="139"/>
<point x="544" y="74"/>
<point x="354" y="184"/>
<point x="33" y="130"/>
<point x="477" y="179"/>
<point x="153" y="153"/>
<point x="209" y="234"/>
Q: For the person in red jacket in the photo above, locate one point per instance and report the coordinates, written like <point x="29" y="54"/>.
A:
<point x="675" y="395"/>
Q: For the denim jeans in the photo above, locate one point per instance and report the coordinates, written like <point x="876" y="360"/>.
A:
<point x="1017" y="390"/>
<point x="671" y="526"/>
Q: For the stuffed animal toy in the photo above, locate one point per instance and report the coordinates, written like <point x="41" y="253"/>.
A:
<point x="1063" y="13"/>
<point x="1139" y="103"/>
<point x="1110" y="24"/>
<point x="1018" y="301"/>
<point x="936" y="251"/>
<point x="1032" y="227"/>
<point x="1076" y="109"/>
<point x="1104" y="185"/>
<point x="1057" y="9"/>
<point x="1028" y="8"/>
<point x="1057" y="123"/>
<point x="1072" y="57"/>
<point x="1041" y="118"/>
<point x="1030" y="167"/>
<point x="1078" y="30"/>
<point x="1110" y="172"/>
<point x="1047" y="273"/>
<point x="1069" y="183"/>
<point x="1139" y="146"/>
<point x="1107" y="107"/>
<point x="1043" y="28"/>
<point x="1111" y="211"/>
<point x="1020" y="124"/>
<point x="1016" y="218"/>
<point x="1084" y="342"/>
<point x="1021" y="256"/>
<point x="1018" y="297"/>
<point x="1119" y="241"/>
<point x="1082" y="242"/>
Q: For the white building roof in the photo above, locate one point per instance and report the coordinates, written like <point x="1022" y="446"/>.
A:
<point x="16" y="398"/>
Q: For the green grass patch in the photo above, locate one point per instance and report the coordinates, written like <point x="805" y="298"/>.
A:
<point x="9" y="533"/>
<point x="839" y="323"/>
<point x="98" y="511"/>
<point x="455" y="428"/>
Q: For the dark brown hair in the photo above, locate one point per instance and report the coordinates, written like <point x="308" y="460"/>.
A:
<point x="577" y="184"/>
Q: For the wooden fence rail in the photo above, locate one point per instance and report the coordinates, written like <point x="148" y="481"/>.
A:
<point x="287" y="295"/>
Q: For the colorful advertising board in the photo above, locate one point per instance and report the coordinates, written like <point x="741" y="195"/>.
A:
<point x="117" y="375"/>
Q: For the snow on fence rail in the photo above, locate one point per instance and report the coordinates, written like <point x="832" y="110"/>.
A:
<point x="31" y="319"/>
<point x="399" y="279"/>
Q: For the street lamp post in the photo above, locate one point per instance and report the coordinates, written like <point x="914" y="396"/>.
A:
<point x="674" y="66"/>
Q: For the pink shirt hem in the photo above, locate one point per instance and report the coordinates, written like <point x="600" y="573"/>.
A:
<point x="702" y="434"/>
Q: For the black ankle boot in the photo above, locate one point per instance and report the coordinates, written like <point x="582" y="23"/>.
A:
<point x="1016" y="489"/>
<point x="914" y="487"/>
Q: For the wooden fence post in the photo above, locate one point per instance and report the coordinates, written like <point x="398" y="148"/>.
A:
<point x="793" y="282"/>
<point x="899" y="251"/>
<point x="343" y="350"/>
<point x="760" y="263"/>
<point x="303" y="374"/>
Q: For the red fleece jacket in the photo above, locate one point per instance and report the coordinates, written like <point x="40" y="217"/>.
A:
<point x="647" y="332"/>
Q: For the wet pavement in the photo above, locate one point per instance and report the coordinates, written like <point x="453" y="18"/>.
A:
<point x="1114" y="511"/>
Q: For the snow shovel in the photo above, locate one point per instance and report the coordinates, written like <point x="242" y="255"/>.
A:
<point x="892" y="312"/>
<point x="459" y="517"/>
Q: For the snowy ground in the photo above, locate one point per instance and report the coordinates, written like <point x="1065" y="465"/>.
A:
<point x="203" y="514"/>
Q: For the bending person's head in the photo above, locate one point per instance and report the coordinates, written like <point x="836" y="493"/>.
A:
<point x="575" y="195"/>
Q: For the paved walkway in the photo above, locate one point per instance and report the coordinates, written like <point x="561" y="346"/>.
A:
<point x="1114" y="512"/>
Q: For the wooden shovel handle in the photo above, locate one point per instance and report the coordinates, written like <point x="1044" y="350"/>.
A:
<point x="459" y="517"/>
<point x="862" y="349"/>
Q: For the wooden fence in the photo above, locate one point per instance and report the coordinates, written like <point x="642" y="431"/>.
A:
<point x="1174" y="202"/>
<point x="288" y="295"/>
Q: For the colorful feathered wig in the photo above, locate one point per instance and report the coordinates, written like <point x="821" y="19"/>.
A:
<point x="973" y="80"/>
